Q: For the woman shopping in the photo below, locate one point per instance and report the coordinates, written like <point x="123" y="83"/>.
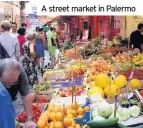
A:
<point x="29" y="62"/>
<point x="39" y="48"/>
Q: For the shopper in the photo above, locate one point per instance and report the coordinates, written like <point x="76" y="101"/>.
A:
<point x="23" y="25"/>
<point x="9" y="42"/>
<point x="14" y="29"/>
<point x="136" y="37"/>
<point x="29" y="61"/>
<point x="52" y="44"/>
<point x="21" y="38"/>
<point x="14" y="79"/>
<point x="7" y="112"/>
<point x="39" y="48"/>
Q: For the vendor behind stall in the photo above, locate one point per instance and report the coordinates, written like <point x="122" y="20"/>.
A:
<point x="136" y="37"/>
<point x="14" y="79"/>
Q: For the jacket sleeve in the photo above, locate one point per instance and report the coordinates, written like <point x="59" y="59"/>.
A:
<point x="17" y="53"/>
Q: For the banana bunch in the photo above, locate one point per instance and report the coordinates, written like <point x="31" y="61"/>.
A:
<point x="138" y="60"/>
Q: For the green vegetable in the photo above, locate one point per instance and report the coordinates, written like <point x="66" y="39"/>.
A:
<point x="135" y="111"/>
<point x="117" y="115"/>
<point x="97" y="118"/>
<point x="103" y="123"/>
<point x="17" y="124"/>
<point x="125" y="113"/>
<point x="104" y="110"/>
<point x="94" y="113"/>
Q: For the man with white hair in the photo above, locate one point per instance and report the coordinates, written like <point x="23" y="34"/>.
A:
<point x="14" y="79"/>
<point x="9" y="42"/>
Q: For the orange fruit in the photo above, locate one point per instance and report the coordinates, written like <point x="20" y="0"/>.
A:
<point x="47" y="112"/>
<point x="48" y="124"/>
<point x="46" y="127"/>
<point x="51" y="124"/>
<point x="52" y="105"/>
<point x="73" y="124"/>
<point x="59" y="109"/>
<point x="70" y="116"/>
<point x="74" y="106"/>
<point x="86" y="109"/>
<point x="41" y="124"/>
<point x="67" y="122"/>
<point x="78" y="126"/>
<point x="69" y="111"/>
<point x="79" y="116"/>
<point x="58" y="116"/>
<point x="58" y="124"/>
<point x="80" y="111"/>
<point x="52" y="116"/>
<point x="50" y="108"/>
<point x="74" y="113"/>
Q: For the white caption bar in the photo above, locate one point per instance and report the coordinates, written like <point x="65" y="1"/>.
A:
<point x="89" y="7"/>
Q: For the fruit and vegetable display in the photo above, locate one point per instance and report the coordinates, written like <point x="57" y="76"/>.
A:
<point x="68" y="45"/>
<point x="99" y="66"/>
<point x="42" y="87"/>
<point x="103" y="85"/>
<point x="104" y="74"/>
<point x="21" y="118"/>
<point x="68" y="91"/>
<point x="56" y="116"/>
<point x="75" y="70"/>
<point x="124" y="57"/>
<point x="105" y="113"/>
<point x="73" y="53"/>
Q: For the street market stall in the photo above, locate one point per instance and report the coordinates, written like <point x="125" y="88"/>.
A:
<point x="104" y="90"/>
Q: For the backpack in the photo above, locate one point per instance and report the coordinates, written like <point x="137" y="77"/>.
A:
<point x="3" y="52"/>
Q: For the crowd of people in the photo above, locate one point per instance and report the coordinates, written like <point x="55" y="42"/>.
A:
<point x="21" y="64"/>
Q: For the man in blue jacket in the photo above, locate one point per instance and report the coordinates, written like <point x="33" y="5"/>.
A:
<point x="7" y="112"/>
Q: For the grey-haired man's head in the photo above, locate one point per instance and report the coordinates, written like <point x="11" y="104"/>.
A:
<point x="9" y="71"/>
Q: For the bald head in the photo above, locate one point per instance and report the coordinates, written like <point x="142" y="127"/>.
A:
<point x="9" y="71"/>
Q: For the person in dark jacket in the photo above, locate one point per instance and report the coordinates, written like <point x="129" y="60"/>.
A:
<point x="136" y="37"/>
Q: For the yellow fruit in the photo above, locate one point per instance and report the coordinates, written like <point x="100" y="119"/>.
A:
<point x="112" y="81"/>
<point x="78" y="126"/>
<point x="58" y="124"/>
<point x="67" y="122"/>
<point x="102" y="80"/>
<point x="41" y="124"/>
<point x="135" y="84"/>
<point x="120" y="81"/>
<point x="58" y="116"/>
<point x="96" y="90"/>
<point x="92" y="84"/>
<point x="113" y="90"/>
<point x="80" y="111"/>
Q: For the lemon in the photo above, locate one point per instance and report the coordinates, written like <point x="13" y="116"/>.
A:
<point x="92" y="84"/>
<point x="113" y="90"/>
<point x="102" y="80"/>
<point x="96" y="90"/>
<point x="135" y="84"/>
<point x="120" y="81"/>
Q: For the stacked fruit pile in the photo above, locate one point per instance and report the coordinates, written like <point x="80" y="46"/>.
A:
<point x="68" y="92"/>
<point x="104" y="86"/>
<point x="124" y="57"/>
<point x="97" y="67"/>
<point x="42" y="87"/>
<point x="55" y="116"/>
<point x="75" y="70"/>
<point x="73" y="53"/>
<point x="36" y="114"/>
<point x="138" y="59"/>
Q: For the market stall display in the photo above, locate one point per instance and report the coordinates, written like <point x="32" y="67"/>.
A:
<point x="103" y="90"/>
